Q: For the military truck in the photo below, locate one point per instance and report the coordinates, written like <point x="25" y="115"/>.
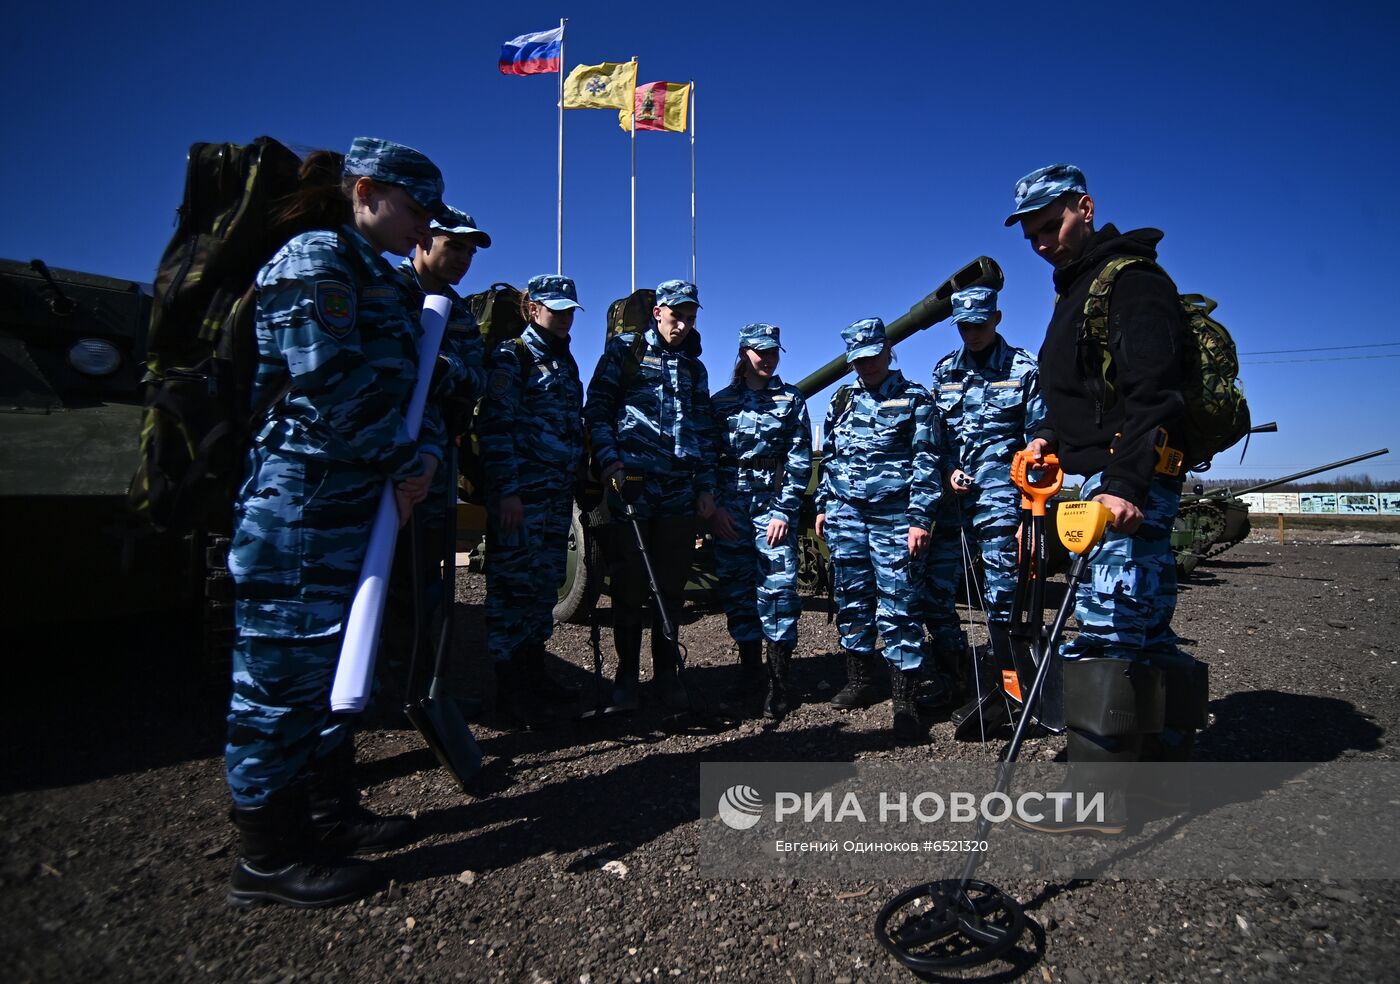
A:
<point x="586" y="578"/>
<point x="72" y="353"/>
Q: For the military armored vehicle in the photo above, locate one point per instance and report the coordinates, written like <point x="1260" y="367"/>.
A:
<point x="579" y="593"/>
<point x="72" y="354"/>
<point x="1212" y="522"/>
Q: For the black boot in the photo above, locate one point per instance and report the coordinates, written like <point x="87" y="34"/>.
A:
<point x="1098" y="766"/>
<point x="627" y="640"/>
<point x="275" y="861"/>
<point x="340" y="824"/>
<point x="542" y="682"/>
<point x="748" y="684"/>
<point x="664" y="679"/>
<point x="515" y="698"/>
<point x="777" y="703"/>
<point x="908" y="729"/>
<point x="860" y="690"/>
<point x="1109" y="705"/>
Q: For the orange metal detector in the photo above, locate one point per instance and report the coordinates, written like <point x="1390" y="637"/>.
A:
<point x="961" y="922"/>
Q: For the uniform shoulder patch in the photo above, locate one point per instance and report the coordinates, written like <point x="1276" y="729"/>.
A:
<point x="499" y="384"/>
<point x="335" y="307"/>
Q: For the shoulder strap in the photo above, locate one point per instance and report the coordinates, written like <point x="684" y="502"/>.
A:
<point x="632" y="360"/>
<point x="524" y="357"/>
<point x="840" y="403"/>
<point x="1096" y="303"/>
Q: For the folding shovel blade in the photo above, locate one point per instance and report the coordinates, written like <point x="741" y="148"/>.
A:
<point x="1049" y="711"/>
<point x="439" y="720"/>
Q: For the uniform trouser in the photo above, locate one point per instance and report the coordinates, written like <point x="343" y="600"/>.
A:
<point x="875" y="582"/>
<point x="670" y="544"/>
<point x="988" y="520"/>
<point x="757" y="583"/>
<point x="279" y="721"/>
<point x="1124" y="607"/>
<point x="524" y="570"/>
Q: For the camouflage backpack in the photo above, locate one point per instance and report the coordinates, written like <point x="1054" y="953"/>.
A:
<point x="201" y="350"/>
<point x="1217" y="416"/>
<point x="631" y="313"/>
<point x="497" y="313"/>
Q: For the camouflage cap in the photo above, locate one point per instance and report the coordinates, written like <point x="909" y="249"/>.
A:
<point x="554" y="292"/>
<point x="761" y="337"/>
<point x="1043" y="185"/>
<point x="974" y="305"/>
<point x="864" y="338"/>
<point x="393" y="163"/>
<point x="454" y="222"/>
<point x="673" y="292"/>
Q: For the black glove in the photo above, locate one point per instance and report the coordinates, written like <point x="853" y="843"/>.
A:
<point x="440" y="387"/>
<point x="627" y="485"/>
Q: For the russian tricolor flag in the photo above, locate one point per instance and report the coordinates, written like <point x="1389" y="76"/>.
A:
<point x="532" y="54"/>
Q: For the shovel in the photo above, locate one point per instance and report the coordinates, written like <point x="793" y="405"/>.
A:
<point x="437" y="716"/>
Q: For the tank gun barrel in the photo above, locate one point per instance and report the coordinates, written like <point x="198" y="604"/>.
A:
<point x="936" y="307"/>
<point x="1311" y="471"/>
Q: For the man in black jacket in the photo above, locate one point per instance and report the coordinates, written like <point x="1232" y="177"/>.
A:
<point x="1130" y="694"/>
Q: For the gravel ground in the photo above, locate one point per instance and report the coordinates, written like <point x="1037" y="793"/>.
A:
<point x="116" y="848"/>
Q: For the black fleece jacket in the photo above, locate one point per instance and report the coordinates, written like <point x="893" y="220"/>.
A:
<point x="1145" y="339"/>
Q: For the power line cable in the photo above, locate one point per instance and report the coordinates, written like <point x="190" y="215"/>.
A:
<point x="1324" y="348"/>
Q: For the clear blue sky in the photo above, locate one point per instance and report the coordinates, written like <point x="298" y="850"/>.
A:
<point x="850" y="158"/>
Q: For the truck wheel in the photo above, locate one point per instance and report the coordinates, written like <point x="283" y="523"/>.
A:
<point x="583" y="578"/>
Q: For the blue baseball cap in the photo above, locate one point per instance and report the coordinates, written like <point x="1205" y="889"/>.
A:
<point x="1043" y="185"/>
<point x="864" y="338"/>
<point x="673" y="292"/>
<point x="974" y="305"/>
<point x="454" y="222"/>
<point x="393" y="163"/>
<point x="554" y="292"/>
<point x="760" y="337"/>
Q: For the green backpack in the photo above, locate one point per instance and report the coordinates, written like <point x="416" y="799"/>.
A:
<point x="497" y="313"/>
<point x="202" y="354"/>
<point x="1217" y="416"/>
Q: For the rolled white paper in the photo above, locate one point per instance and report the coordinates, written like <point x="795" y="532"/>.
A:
<point x="354" y="674"/>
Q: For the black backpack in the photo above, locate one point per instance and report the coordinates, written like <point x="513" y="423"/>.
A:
<point x="202" y="353"/>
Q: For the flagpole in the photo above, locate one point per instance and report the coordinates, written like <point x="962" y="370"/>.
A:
<point x="694" y="275"/>
<point x="634" y="178"/>
<point x="559" y="223"/>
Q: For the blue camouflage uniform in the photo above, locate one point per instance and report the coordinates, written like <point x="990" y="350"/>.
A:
<point x="879" y="477"/>
<point x="531" y="437"/>
<point x="648" y="408"/>
<point x="764" y="446"/>
<point x="988" y="408"/>
<point x="333" y="314"/>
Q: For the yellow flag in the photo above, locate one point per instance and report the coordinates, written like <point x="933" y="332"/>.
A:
<point x="606" y="86"/>
<point x="660" y="106"/>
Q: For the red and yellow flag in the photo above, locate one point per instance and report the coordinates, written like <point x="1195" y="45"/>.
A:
<point x="660" y="106"/>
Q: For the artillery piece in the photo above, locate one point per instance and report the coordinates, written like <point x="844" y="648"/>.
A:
<point x="579" y="593"/>
<point x="1212" y="522"/>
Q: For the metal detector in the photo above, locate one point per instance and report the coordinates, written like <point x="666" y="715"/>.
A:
<point x="961" y="922"/>
<point x="627" y="494"/>
<point x="437" y="716"/>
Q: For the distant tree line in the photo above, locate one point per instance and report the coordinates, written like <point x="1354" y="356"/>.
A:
<point x="1342" y="483"/>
